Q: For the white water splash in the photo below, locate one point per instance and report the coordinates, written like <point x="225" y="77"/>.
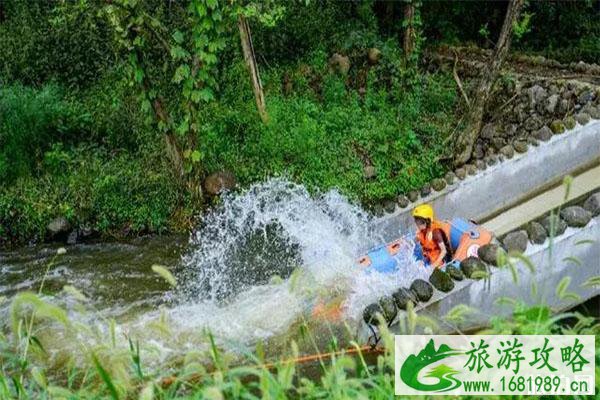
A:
<point x="239" y="244"/>
<point x="329" y="234"/>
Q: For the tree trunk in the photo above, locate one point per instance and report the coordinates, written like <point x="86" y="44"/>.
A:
<point x="172" y="147"/>
<point x="250" y="59"/>
<point x="408" y="43"/>
<point x="474" y="116"/>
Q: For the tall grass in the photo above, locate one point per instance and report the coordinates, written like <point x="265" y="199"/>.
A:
<point x="28" y="370"/>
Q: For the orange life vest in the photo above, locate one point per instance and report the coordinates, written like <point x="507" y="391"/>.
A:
<point x="431" y="249"/>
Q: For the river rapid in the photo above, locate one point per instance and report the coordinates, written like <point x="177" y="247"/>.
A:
<point x="252" y="272"/>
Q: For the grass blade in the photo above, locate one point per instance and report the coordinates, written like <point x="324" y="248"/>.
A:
<point x="106" y="378"/>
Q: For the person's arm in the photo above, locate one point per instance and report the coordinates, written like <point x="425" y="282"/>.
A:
<point x="439" y="239"/>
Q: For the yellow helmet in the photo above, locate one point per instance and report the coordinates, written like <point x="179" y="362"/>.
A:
<point x="423" y="211"/>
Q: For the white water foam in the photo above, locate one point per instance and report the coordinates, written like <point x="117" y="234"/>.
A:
<point x="329" y="232"/>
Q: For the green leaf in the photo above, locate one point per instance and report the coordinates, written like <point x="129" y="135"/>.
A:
<point x="183" y="128"/>
<point x="138" y="75"/>
<point x="179" y="53"/>
<point x="178" y="37"/>
<point x="205" y="95"/>
<point x="106" y="378"/>
<point x="182" y="72"/>
<point x="212" y="4"/>
<point x="196" y="156"/>
<point x="39" y="377"/>
<point x="200" y="9"/>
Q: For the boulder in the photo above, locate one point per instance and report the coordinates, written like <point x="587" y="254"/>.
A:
<point x="73" y="237"/>
<point x="87" y="233"/>
<point x="461" y="173"/>
<point x="516" y="241"/>
<point x="480" y="165"/>
<point x="534" y="122"/>
<point x="581" y="66"/>
<point x="422" y="290"/>
<point x="58" y="228"/>
<point x="488" y="131"/>
<point x="388" y="307"/>
<point x="537" y="94"/>
<point x="402" y="201"/>
<point x="455" y="273"/>
<point x="441" y="280"/>
<point x="413" y="196"/>
<point x="450" y="177"/>
<point x="498" y="143"/>
<point x="478" y="152"/>
<point x="402" y="297"/>
<point x="592" y="204"/>
<point x="533" y="141"/>
<point x="563" y="107"/>
<point x="374" y="55"/>
<point x="426" y="190"/>
<point x="339" y="63"/>
<point x="520" y="146"/>
<point x="471" y="169"/>
<point x="594" y="112"/>
<point x="507" y="151"/>
<point x="377" y="210"/>
<point x="369" y="172"/>
<point x="489" y="253"/>
<point x="370" y="314"/>
<point x="492" y="160"/>
<point x="470" y="265"/>
<point x="585" y="97"/>
<point x="551" y="103"/>
<point x="569" y="122"/>
<point x="510" y="131"/>
<point x="544" y="134"/>
<point x="438" y="184"/>
<point x="557" y="126"/>
<point x="582" y="118"/>
<point x="554" y="225"/>
<point x="536" y="232"/>
<point x="218" y="182"/>
<point x="576" y="216"/>
<point x="389" y="206"/>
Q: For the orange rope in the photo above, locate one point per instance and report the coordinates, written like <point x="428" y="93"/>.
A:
<point x="169" y="380"/>
<point x="321" y="356"/>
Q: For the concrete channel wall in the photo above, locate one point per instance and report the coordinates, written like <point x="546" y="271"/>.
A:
<point x="574" y="254"/>
<point x="506" y="184"/>
<point x="582" y="245"/>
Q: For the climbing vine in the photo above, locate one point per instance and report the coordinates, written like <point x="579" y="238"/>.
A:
<point x="189" y="55"/>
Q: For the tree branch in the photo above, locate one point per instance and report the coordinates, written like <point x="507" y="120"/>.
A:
<point x="458" y="82"/>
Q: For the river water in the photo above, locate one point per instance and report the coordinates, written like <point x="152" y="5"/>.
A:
<point x="252" y="272"/>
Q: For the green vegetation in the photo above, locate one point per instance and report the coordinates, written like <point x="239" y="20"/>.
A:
<point x="112" y="114"/>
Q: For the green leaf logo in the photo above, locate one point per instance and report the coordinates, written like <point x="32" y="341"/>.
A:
<point x="413" y="365"/>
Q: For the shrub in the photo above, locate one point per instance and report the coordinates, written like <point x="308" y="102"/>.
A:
<point x="112" y="193"/>
<point x="30" y="120"/>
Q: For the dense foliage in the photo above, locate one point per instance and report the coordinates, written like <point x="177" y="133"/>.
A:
<point x="92" y="91"/>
